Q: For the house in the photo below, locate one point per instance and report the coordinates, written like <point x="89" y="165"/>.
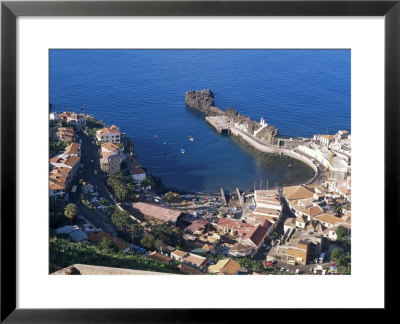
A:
<point x="59" y="181"/>
<point x="295" y="193"/>
<point x="309" y="213"/>
<point x="332" y="231"/>
<point x="301" y="221"/>
<point x="110" y="161"/>
<point x="209" y="248"/>
<point x="159" y="257"/>
<point x="326" y="139"/>
<point x="255" y="237"/>
<point x="328" y="220"/>
<point x="186" y="268"/>
<point x="72" y="118"/>
<point x="197" y="226"/>
<point x="196" y="261"/>
<point x="53" y="116"/>
<point x="225" y="267"/>
<point x="179" y="255"/>
<point x="74" y="232"/>
<point x="239" y="250"/>
<point x="157" y="212"/>
<point x="66" y="161"/>
<point x="268" y="205"/>
<point x="73" y="149"/>
<point x="138" y="174"/>
<point x="299" y="247"/>
<point x="99" y="236"/>
<point x="65" y="134"/>
<point x="109" y="135"/>
<point x="233" y="227"/>
<point x="289" y="224"/>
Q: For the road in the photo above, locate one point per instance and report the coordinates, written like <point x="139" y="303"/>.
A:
<point x="89" y="153"/>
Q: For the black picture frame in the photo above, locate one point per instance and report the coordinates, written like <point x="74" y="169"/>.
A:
<point x="10" y="10"/>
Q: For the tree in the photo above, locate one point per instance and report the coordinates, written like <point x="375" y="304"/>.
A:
<point x="70" y="211"/>
<point x="341" y="232"/>
<point x="170" y="197"/>
<point x="146" y="182"/>
<point x="135" y="229"/>
<point x="107" y="244"/>
<point x="335" y="254"/>
<point x="120" y="219"/>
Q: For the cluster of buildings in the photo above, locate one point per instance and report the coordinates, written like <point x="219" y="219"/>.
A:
<point x="71" y="118"/>
<point x="63" y="168"/>
<point x="332" y="151"/>
<point x="318" y="213"/>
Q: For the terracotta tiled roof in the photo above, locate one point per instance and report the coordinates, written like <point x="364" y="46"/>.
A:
<point x="297" y="192"/>
<point x="159" y="257"/>
<point x="232" y="224"/>
<point x="327" y="218"/>
<point x="73" y="148"/>
<point x="227" y="266"/>
<point x="311" y="211"/>
<point x="72" y="161"/>
<point x="179" y="253"/>
<point x="196" y="225"/>
<point x="109" y="146"/>
<point x="256" y="235"/>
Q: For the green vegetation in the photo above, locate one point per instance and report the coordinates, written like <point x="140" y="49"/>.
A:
<point x="121" y="220"/>
<point x="341" y="233"/>
<point x="63" y="253"/>
<point x="170" y="197"/>
<point x="87" y="204"/>
<point x="342" y="259"/>
<point x="91" y="123"/>
<point x="107" y="244"/>
<point x="56" y="147"/>
<point x="122" y="185"/>
<point x="146" y="182"/>
<point x="70" y="212"/>
<point x="163" y="234"/>
<point x="56" y="213"/>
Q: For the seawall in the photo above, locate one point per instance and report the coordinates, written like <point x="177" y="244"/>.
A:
<point x="265" y="148"/>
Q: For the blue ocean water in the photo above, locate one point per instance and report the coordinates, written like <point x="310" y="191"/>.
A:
<point x="301" y="92"/>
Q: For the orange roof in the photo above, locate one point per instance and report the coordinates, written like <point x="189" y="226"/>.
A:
<point x="179" y="253"/>
<point x="297" y="192"/>
<point x="108" y="131"/>
<point x="311" y="211"/>
<point x="110" y="146"/>
<point x="158" y="257"/>
<point x="72" y="160"/>
<point x="227" y="266"/>
<point x="195" y="259"/>
<point x="73" y="148"/>
<point x="327" y="218"/>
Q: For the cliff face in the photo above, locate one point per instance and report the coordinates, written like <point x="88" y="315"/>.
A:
<point x="204" y="101"/>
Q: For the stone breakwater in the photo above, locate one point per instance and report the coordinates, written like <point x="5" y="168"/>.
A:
<point x="203" y="100"/>
<point x="261" y="136"/>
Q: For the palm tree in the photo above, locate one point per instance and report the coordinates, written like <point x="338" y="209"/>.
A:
<point x="70" y="211"/>
<point x="170" y="197"/>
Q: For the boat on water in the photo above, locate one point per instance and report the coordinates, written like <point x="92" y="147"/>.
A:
<point x="155" y="136"/>
<point x="134" y="118"/>
<point x="182" y="151"/>
<point x="191" y="138"/>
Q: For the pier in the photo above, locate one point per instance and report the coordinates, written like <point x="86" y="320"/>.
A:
<point x="221" y="123"/>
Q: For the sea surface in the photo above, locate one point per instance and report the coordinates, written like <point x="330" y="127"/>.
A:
<point x="301" y="92"/>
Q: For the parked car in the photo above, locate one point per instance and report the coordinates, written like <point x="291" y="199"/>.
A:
<point x="270" y="264"/>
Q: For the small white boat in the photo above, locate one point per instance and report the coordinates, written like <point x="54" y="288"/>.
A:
<point x="191" y="138"/>
<point x="182" y="151"/>
<point x="155" y="136"/>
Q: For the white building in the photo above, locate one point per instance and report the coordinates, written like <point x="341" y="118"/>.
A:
<point x="109" y="135"/>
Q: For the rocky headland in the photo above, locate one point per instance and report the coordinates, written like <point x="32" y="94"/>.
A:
<point x="203" y="100"/>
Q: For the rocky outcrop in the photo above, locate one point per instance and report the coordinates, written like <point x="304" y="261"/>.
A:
<point x="204" y="101"/>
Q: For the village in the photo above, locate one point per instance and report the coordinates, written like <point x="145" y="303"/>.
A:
<point x="102" y="197"/>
